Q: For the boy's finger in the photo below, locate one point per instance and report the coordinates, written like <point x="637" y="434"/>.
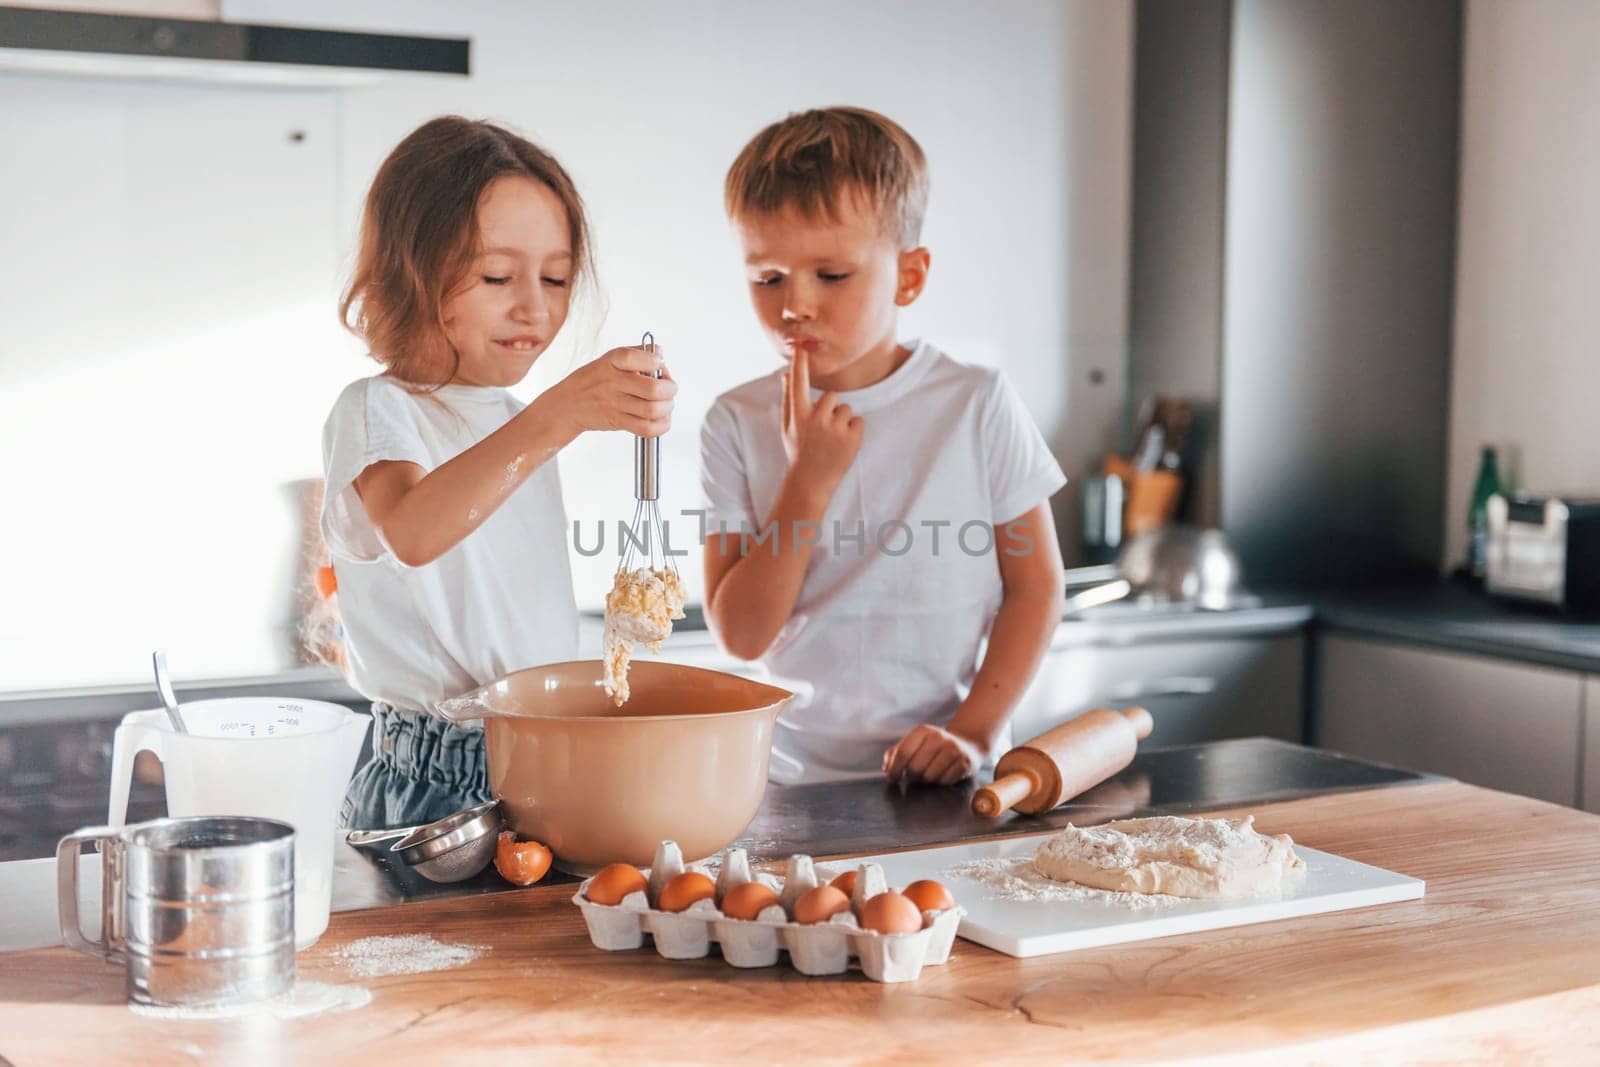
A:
<point x="917" y="765"/>
<point x="786" y="410"/>
<point x="801" y="388"/>
<point x="907" y="747"/>
<point x="941" y="765"/>
<point x="891" y="762"/>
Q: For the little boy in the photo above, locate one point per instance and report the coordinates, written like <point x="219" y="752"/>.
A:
<point x="875" y="509"/>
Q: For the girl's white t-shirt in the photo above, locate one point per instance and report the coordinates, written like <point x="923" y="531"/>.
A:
<point x="903" y="585"/>
<point x="499" y="601"/>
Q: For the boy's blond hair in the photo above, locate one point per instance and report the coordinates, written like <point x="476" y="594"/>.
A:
<point x="813" y="160"/>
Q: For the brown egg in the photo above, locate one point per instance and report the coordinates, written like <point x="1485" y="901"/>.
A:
<point x="746" y="901"/>
<point x="684" y="890"/>
<point x="891" y="913"/>
<point x="929" y="895"/>
<point x="614" y="882"/>
<point x="845" y="883"/>
<point x="820" y="905"/>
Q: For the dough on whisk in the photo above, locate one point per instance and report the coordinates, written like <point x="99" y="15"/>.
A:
<point x="640" y="608"/>
<point x="1203" y="858"/>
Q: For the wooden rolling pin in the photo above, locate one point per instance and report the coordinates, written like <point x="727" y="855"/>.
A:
<point x="1061" y="763"/>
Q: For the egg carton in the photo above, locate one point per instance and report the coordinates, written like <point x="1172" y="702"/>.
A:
<point x="814" y="949"/>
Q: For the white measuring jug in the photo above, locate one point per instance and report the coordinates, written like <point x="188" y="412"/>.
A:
<point x="288" y="760"/>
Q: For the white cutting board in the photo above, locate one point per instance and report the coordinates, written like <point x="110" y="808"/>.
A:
<point x="1038" y="928"/>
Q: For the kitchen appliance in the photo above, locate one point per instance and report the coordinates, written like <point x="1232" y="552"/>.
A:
<point x="254" y="756"/>
<point x="1023" y="925"/>
<point x="451" y="849"/>
<point x="1545" y="549"/>
<point x="685" y="759"/>
<point x="100" y="44"/>
<point x="199" y="910"/>
<point x="1063" y="762"/>
<point x="1170" y="565"/>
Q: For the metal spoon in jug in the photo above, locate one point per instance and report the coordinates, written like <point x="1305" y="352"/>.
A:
<point x="168" y="697"/>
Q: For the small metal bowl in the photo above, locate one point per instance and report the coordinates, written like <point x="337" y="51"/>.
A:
<point x="451" y="849"/>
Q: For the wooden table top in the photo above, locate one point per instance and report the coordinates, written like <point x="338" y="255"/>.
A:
<point x="1500" y="962"/>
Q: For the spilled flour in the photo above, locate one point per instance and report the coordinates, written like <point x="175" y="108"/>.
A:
<point x="1016" y="879"/>
<point x="377" y="957"/>
<point x="306" y="998"/>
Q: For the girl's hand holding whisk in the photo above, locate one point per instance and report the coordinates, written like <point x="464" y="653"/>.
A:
<point x="617" y="392"/>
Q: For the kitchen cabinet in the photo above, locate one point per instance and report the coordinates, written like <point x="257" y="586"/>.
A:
<point x="1507" y="726"/>
<point x="1590" y="772"/>
<point x="1201" y="688"/>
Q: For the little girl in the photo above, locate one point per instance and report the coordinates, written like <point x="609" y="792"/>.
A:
<point x="442" y="509"/>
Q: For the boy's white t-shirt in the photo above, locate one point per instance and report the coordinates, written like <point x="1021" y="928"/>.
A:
<point x="499" y="601"/>
<point x="886" y="636"/>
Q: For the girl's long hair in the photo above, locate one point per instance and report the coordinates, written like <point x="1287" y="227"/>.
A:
<point x="418" y="234"/>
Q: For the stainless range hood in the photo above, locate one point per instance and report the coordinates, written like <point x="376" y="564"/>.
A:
<point x="134" y="46"/>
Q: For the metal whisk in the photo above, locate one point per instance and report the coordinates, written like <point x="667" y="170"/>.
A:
<point x="645" y="541"/>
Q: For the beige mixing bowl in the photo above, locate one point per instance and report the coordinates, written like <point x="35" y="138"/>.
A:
<point x="685" y="759"/>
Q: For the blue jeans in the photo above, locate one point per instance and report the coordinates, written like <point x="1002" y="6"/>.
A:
<point x="422" y="768"/>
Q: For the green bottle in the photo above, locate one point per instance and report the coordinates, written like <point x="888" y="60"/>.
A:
<point x="1488" y="485"/>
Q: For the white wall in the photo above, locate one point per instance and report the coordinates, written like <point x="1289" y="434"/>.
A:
<point x="166" y="343"/>
<point x="176" y="265"/>
<point x="1526" y="369"/>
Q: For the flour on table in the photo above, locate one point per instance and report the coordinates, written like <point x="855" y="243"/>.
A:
<point x="1016" y="879"/>
<point x="1212" y="859"/>
<point x="305" y="998"/>
<point x="377" y="957"/>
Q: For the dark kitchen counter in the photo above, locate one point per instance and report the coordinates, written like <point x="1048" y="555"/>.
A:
<point x="846" y="818"/>
<point x="1455" y="618"/>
